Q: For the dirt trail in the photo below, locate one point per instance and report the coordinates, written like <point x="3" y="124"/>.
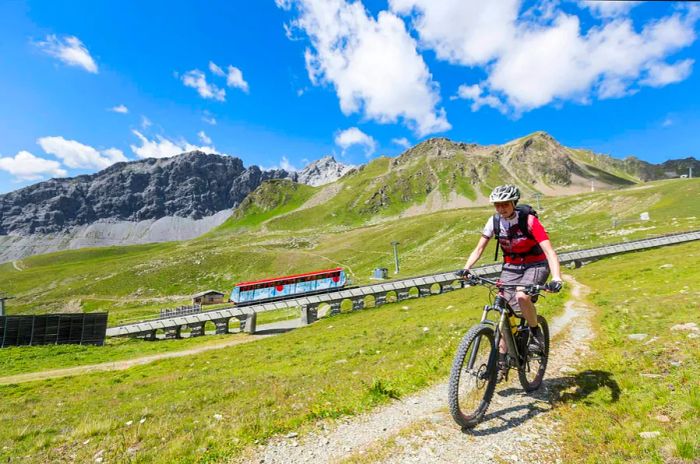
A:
<point x="17" y="266"/>
<point x="419" y="429"/>
<point x="126" y="363"/>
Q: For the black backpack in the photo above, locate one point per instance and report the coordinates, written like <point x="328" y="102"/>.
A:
<point x="524" y="212"/>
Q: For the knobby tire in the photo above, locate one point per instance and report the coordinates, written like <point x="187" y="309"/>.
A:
<point x="486" y="379"/>
<point x="528" y="367"/>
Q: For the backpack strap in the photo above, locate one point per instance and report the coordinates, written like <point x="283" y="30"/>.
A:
<point x="496" y="233"/>
<point x="525" y="217"/>
<point x="525" y="220"/>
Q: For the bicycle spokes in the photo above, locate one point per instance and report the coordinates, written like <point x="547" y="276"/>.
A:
<point x="477" y="372"/>
<point x="533" y="368"/>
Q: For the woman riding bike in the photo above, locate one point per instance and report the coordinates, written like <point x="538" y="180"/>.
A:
<point x="528" y="258"/>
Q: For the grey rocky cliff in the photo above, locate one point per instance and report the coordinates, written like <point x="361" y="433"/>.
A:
<point x="323" y="171"/>
<point x="192" y="185"/>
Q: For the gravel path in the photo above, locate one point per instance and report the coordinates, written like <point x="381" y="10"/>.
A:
<point x="419" y="428"/>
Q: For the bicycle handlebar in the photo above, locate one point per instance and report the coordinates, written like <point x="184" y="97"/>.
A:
<point x="478" y="280"/>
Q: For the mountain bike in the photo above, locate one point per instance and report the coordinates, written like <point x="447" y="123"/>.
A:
<point x="474" y="369"/>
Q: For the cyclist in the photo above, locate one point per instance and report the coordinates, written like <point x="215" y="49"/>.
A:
<point x="528" y="259"/>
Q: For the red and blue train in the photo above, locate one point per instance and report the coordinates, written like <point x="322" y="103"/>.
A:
<point x="261" y="291"/>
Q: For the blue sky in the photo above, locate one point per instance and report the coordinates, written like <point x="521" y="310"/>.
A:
<point x="281" y="83"/>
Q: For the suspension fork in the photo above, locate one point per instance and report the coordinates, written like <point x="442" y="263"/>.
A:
<point x="472" y="356"/>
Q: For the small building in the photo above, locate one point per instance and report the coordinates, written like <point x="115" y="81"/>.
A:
<point x="208" y="297"/>
<point x="380" y="273"/>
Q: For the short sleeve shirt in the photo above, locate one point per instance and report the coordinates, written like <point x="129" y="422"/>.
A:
<point x="512" y="240"/>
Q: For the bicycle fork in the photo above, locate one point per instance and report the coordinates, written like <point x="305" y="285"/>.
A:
<point x="505" y="331"/>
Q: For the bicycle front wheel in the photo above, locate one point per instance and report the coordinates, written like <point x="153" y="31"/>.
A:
<point x="473" y="376"/>
<point x="531" y="372"/>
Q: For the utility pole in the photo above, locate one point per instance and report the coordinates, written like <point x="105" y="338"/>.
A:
<point x="396" y="255"/>
<point x="537" y="196"/>
<point x="592" y="186"/>
<point x="690" y="172"/>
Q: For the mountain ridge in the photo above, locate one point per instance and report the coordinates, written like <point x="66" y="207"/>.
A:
<point x="192" y="185"/>
<point x="131" y="202"/>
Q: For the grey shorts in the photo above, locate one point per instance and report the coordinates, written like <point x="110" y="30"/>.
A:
<point x="524" y="274"/>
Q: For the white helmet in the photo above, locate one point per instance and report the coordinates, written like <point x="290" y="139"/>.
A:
<point x="505" y="193"/>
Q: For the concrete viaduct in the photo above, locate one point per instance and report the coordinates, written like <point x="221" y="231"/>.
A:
<point x="360" y="297"/>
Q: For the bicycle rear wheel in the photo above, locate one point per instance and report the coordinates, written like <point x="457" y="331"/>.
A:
<point x="473" y="376"/>
<point x="531" y="372"/>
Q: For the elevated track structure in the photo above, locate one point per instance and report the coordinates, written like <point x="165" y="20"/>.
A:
<point x="372" y="295"/>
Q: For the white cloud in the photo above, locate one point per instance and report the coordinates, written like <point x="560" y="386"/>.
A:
<point x="660" y="74"/>
<point x="209" y="119"/>
<point x="70" y="50"/>
<point x="145" y="122"/>
<point x="668" y="122"/>
<point x="468" y="32"/>
<point x="475" y="93"/>
<point x="77" y="155"/>
<point x="215" y="69"/>
<point x="162" y="147"/>
<point x="372" y="63"/>
<point x="197" y="80"/>
<point x="119" y="109"/>
<point x="286" y="165"/>
<point x="354" y="136"/>
<point x="607" y="9"/>
<point x="114" y="155"/>
<point x="532" y="63"/>
<point x="204" y="138"/>
<point x="402" y="142"/>
<point x="235" y="79"/>
<point x="26" y="166"/>
<point x="283" y="164"/>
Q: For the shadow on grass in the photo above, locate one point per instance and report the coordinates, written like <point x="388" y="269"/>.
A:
<point x="273" y="331"/>
<point x="560" y="390"/>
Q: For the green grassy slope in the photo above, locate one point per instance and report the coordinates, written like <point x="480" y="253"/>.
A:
<point x="136" y="281"/>
<point x="271" y="199"/>
<point x="652" y="385"/>
<point x="595" y="163"/>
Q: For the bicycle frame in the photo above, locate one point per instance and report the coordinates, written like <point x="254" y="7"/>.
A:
<point x="501" y="329"/>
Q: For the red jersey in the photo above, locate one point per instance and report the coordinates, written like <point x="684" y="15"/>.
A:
<point x="513" y="241"/>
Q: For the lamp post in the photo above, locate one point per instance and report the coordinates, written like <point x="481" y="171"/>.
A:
<point x="396" y="256"/>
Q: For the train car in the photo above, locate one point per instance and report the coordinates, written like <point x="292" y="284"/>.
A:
<point x="260" y="291"/>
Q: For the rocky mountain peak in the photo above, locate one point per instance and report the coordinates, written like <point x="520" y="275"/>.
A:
<point x="190" y="185"/>
<point x="539" y="139"/>
<point x="434" y="148"/>
<point x="322" y="171"/>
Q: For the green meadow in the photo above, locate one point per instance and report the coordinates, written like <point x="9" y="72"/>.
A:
<point x="627" y="389"/>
